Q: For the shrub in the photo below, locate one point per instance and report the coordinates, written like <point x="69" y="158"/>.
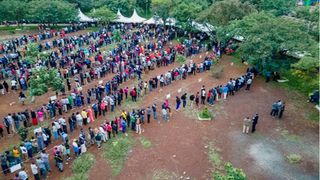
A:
<point x="23" y="133"/>
<point x="145" y="143"/>
<point x="116" y="152"/>
<point x="294" y="158"/>
<point x="83" y="164"/>
<point x="230" y="172"/>
<point x="205" y="114"/>
<point x="217" y="72"/>
<point x="180" y="59"/>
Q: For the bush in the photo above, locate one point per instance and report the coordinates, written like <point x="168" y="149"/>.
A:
<point x="230" y="172"/>
<point x="83" y="164"/>
<point x="180" y="59"/>
<point x="23" y="133"/>
<point x="116" y="152"/>
<point x="294" y="158"/>
<point x="217" y="72"/>
<point x="205" y="114"/>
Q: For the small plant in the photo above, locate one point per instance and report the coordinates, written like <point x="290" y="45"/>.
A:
<point x="116" y="152"/>
<point x="180" y="59"/>
<point x="230" y="172"/>
<point x="81" y="166"/>
<point x="23" y="133"/>
<point x="145" y="143"/>
<point x="294" y="158"/>
<point x="217" y="72"/>
<point x="205" y="114"/>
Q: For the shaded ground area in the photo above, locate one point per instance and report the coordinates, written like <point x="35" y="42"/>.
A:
<point x="179" y="147"/>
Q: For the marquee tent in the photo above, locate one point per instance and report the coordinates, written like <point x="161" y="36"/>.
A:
<point x="203" y="27"/>
<point x="120" y="18"/>
<point x="83" y="18"/>
<point x="171" y="22"/>
<point x="153" y="21"/>
<point x="135" y="18"/>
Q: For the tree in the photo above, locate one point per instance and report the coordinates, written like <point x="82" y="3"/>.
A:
<point x="103" y="14"/>
<point x="266" y="36"/>
<point x="222" y="12"/>
<point x="306" y="66"/>
<point x="276" y="7"/>
<point x="144" y="6"/>
<point x="32" y="52"/>
<point x="84" y="5"/>
<point x="52" y="11"/>
<point x="162" y="8"/>
<point x="126" y="6"/>
<point x="12" y="10"/>
<point x="185" y="11"/>
<point x="42" y="79"/>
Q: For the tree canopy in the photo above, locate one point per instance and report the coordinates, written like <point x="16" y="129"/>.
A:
<point x="222" y="12"/>
<point x="266" y="36"/>
<point x="12" y="10"/>
<point x="52" y="11"/>
<point x="103" y="14"/>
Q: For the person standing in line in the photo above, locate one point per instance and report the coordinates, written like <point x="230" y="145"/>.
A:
<point x="6" y="86"/>
<point x="274" y="109"/>
<point x="138" y="126"/>
<point x="225" y="92"/>
<point x="281" y="110"/>
<point x="35" y="170"/>
<point x="246" y="125"/>
<point x="154" y="109"/>
<point x="1" y="88"/>
<point x="203" y="95"/>
<point x="148" y="114"/>
<point x="249" y="82"/>
<point x="197" y="99"/>
<point x="254" y="122"/>
<point x="192" y="97"/>
<point x="178" y="102"/>
<point x="184" y="100"/>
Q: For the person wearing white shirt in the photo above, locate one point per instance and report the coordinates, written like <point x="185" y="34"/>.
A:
<point x="13" y="84"/>
<point x="23" y="175"/>
<point x="35" y="171"/>
<point x="23" y="151"/>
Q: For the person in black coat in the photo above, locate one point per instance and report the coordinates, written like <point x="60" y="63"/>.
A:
<point x="254" y="122"/>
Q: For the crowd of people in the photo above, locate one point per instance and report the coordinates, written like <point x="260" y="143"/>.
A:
<point x="140" y="52"/>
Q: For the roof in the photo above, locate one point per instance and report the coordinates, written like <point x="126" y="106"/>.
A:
<point x="135" y="18"/>
<point x="120" y="18"/>
<point x="153" y="20"/>
<point x="203" y="27"/>
<point x="83" y="18"/>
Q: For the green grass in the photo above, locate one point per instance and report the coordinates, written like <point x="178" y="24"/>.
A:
<point x="116" y="152"/>
<point x="164" y="175"/>
<point x="181" y="59"/>
<point x="81" y="166"/>
<point x="214" y="156"/>
<point x="294" y="158"/>
<point x="145" y="142"/>
<point x="206" y="114"/>
<point x="313" y="115"/>
<point x="289" y="137"/>
<point x="92" y="28"/>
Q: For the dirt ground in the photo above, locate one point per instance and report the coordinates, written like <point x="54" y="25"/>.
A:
<point x="180" y="147"/>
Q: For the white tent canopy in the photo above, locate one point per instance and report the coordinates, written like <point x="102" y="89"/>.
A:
<point x="153" y="21"/>
<point x="120" y="18"/>
<point x="83" y="18"/>
<point x="203" y="27"/>
<point x="171" y="22"/>
<point x="135" y="18"/>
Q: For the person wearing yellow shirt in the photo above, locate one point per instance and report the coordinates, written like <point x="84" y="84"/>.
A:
<point x="84" y="115"/>
<point x="16" y="154"/>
